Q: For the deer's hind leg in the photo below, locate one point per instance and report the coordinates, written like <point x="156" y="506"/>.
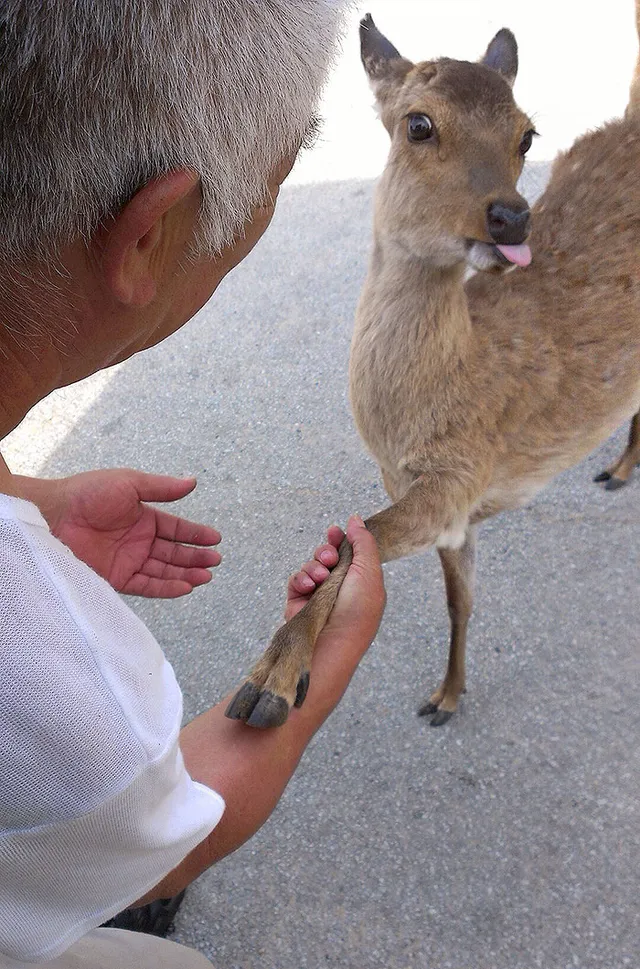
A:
<point x="458" y="566"/>
<point x="619" y="473"/>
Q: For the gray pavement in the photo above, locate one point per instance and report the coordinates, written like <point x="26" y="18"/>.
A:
<point x="507" y="839"/>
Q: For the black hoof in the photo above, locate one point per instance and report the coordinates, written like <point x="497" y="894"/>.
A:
<point x="301" y="692"/>
<point x="603" y="476"/>
<point x="441" y="717"/>
<point x="427" y="709"/>
<point x="243" y="702"/>
<point x="271" y="710"/>
<point x="614" y="483"/>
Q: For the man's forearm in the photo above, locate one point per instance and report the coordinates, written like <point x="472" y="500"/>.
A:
<point x="248" y="768"/>
<point x="251" y="768"/>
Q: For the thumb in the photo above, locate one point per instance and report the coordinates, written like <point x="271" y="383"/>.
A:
<point x="161" y="487"/>
<point x="363" y="586"/>
<point x="365" y="550"/>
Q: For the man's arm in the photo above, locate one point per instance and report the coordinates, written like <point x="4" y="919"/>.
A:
<point x="250" y="768"/>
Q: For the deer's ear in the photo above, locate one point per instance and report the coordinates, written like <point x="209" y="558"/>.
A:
<point x="502" y="55"/>
<point x="382" y="62"/>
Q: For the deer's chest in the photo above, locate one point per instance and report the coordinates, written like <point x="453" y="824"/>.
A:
<point x="388" y="398"/>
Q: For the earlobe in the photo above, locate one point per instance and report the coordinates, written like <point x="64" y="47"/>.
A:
<point x="135" y="244"/>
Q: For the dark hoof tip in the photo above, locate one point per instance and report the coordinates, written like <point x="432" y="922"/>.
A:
<point x="441" y="717"/>
<point x="427" y="709"/>
<point x="301" y="692"/>
<point x="603" y="476"/>
<point x="614" y="483"/>
<point x="271" y="710"/>
<point x="243" y="702"/>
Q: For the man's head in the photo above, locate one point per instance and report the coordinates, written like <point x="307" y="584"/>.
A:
<point x="98" y="97"/>
<point x="142" y="144"/>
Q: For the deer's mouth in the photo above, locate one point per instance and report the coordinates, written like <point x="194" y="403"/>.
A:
<point x="488" y="257"/>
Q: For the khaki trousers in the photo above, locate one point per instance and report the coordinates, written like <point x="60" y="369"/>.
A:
<point x="118" y="949"/>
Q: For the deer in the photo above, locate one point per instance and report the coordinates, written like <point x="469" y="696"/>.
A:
<point x="473" y="393"/>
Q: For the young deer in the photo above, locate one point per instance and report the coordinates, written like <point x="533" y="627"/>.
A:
<point x="472" y="397"/>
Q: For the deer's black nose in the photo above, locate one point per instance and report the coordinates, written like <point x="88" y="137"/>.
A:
<point x="508" y="225"/>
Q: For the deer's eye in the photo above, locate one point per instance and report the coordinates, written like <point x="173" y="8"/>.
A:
<point x="525" y="144"/>
<point x="420" y="127"/>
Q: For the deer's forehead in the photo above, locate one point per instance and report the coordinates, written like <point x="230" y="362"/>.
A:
<point x="461" y="93"/>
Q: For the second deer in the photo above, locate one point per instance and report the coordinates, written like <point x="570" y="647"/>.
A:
<point x="472" y="397"/>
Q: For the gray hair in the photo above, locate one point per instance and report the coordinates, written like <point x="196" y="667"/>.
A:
<point x="99" y="96"/>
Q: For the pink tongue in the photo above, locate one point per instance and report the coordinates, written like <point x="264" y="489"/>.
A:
<point x="521" y="255"/>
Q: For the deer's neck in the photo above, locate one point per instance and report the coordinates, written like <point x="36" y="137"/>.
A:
<point x="419" y="309"/>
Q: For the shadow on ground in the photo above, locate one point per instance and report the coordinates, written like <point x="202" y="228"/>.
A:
<point x="505" y="840"/>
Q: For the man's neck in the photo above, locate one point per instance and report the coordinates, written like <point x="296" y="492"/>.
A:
<point x="47" y="334"/>
<point x="8" y="483"/>
<point x="29" y="371"/>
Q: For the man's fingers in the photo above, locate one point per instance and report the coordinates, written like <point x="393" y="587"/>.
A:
<point x="161" y="487"/>
<point x="176" y="529"/>
<point x="310" y="575"/>
<point x="155" y="569"/>
<point x="154" y="588"/>
<point x="185" y="556"/>
<point x="314" y="572"/>
<point x="300" y="584"/>
<point x="335" y="535"/>
<point x="327" y="554"/>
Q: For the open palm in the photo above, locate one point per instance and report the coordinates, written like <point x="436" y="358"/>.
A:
<point x="102" y="516"/>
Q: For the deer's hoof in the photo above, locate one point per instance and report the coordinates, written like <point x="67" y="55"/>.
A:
<point x="611" y="480"/>
<point x="440" y="706"/>
<point x="262" y="707"/>
<point x="243" y="703"/>
<point x="438" y="717"/>
<point x="258" y="708"/>
<point x="271" y="710"/>
<point x="613" y="483"/>
<point x="301" y="690"/>
<point x="427" y="709"/>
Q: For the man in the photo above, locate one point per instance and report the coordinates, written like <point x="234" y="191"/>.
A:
<point x="142" y="148"/>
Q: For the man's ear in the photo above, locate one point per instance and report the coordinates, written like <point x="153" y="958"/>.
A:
<point x="135" y="243"/>
<point x="384" y="65"/>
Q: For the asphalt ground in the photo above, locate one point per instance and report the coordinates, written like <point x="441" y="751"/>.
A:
<point x="507" y="839"/>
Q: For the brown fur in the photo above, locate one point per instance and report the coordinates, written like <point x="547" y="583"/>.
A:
<point x="473" y="397"/>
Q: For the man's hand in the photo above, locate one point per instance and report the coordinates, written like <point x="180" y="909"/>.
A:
<point x="102" y="516"/>
<point x="357" y="612"/>
<point x="303" y="584"/>
<point x="361" y="599"/>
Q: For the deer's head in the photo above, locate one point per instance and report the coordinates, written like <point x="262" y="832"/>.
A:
<point x="458" y="141"/>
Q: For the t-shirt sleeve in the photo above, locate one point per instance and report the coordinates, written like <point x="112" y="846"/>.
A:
<point x="59" y="881"/>
<point x="96" y="805"/>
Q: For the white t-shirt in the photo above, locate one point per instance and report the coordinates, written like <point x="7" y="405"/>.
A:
<point x="95" y="803"/>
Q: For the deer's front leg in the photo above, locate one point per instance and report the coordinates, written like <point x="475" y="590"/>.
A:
<point x="280" y="678"/>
